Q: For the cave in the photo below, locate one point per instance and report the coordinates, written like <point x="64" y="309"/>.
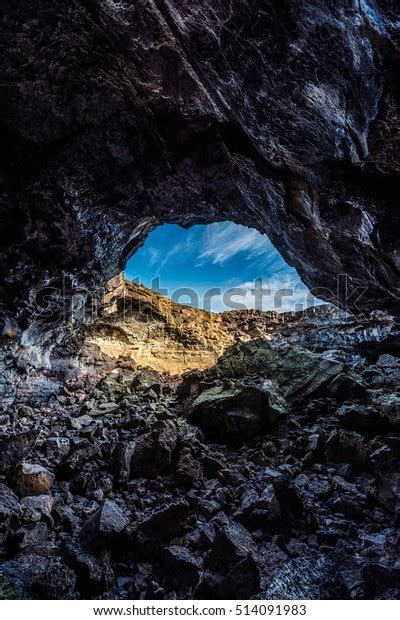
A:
<point x="154" y="450"/>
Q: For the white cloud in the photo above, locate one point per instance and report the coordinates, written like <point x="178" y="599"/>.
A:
<point x="282" y="294"/>
<point x="222" y="242"/>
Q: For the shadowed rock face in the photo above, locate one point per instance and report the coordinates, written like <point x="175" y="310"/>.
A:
<point x="118" y="116"/>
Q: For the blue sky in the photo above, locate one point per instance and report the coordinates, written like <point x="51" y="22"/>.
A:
<point x="219" y="256"/>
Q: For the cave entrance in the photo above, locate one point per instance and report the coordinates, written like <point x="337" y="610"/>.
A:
<point x="218" y="267"/>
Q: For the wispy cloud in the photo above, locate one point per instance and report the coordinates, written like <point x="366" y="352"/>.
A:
<point x="222" y="242"/>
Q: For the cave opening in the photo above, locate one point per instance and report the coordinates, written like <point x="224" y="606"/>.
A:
<point x="218" y="267"/>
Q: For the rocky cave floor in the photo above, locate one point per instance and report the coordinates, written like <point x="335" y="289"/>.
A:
<point x="273" y="475"/>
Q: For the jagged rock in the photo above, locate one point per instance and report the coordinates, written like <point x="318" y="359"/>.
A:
<point x="241" y="581"/>
<point x="181" y="566"/>
<point x="115" y="386"/>
<point x="348" y="447"/>
<point x="104" y="526"/>
<point x="165" y="522"/>
<point x="37" y="577"/>
<point x="81" y="422"/>
<point x="385" y="490"/>
<point x="211" y="466"/>
<point x="77" y="456"/>
<point x="378" y="579"/>
<point x="14" y="449"/>
<point x="57" y="448"/>
<point x="297" y="372"/>
<point x="38" y="506"/>
<point x="270" y="558"/>
<point x="188" y="468"/>
<point x="290" y="503"/>
<point x="34" y="480"/>
<point x="93" y="573"/>
<point x="307" y="578"/>
<point x="232" y="543"/>
<point x="123" y="454"/>
<point x="147" y="379"/>
<point x="153" y="451"/>
<point x="29" y="537"/>
<point x="358" y="418"/>
<point x="346" y="387"/>
<point x="10" y="511"/>
<point x="388" y="406"/>
<point x="236" y="412"/>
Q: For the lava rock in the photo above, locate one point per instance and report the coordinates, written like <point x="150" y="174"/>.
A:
<point x="77" y="456"/>
<point x="181" y="566"/>
<point x="358" y="418"/>
<point x="165" y="522"/>
<point x="388" y="406"/>
<point x="93" y="573"/>
<point x="236" y="413"/>
<point x="307" y="578"/>
<point x="37" y="577"/>
<point x="346" y="387"/>
<point x="153" y="451"/>
<point x="14" y="449"/>
<point x="104" y="526"/>
<point x="34" y="480"/>
<point x="232" y="543"/>
<point x="10" y="512"/>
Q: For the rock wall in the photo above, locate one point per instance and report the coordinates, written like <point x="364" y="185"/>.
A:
<point x="140" y="325"/>
<point x="116" y="117"/>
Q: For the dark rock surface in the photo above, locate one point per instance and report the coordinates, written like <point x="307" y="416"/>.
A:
<point x="144" y="503"/>
<point x="275" y="473"/>
<point x="281" y="116"/>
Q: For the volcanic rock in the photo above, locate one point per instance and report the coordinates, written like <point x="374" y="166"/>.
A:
<point x="34" y="480"/>
<point x="36" y="577"/>
<point x="236" y="412"/>
<point x="153" y="451"/>
<point x="306" y="578"/>
<point x="14" y="448"/>
<point x="104" y="526"/>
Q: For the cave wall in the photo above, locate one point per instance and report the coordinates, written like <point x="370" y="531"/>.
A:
<point x="120" y="115"/>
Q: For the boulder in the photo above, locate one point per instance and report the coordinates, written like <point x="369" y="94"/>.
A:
<point x="240" y="581"/>
<point x="153" y="451"/>
<point x="348" y="447"/>
<point x="77" y="456"/>
<point x="32" y="536"/>
<point x="34" y="480"/>
<point x="296" y="371"/>
<point x="33" y="576"/>
<point x="348" y="387"/>
<point x="188" y="467"/>
<point x="307" y="578"/>
<point x="104" y="526"/>
<point x="388" y="406"/>
<point x="93" y="573"/>
<point x="147" y="379"/>
<point x="38" y="506"/>
<point x="10" y="511"/>
<point x="122" y="458"/>
<point x="181" y="566"/>
<point x="14" y="449"/>
<point x="232" y="543"/>
<point x="165" y="522"/>
<point x="234" y="412"/>
<point x="358" y="417"/>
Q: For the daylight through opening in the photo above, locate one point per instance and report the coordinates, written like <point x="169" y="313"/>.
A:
<point x="218" y="267"/>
